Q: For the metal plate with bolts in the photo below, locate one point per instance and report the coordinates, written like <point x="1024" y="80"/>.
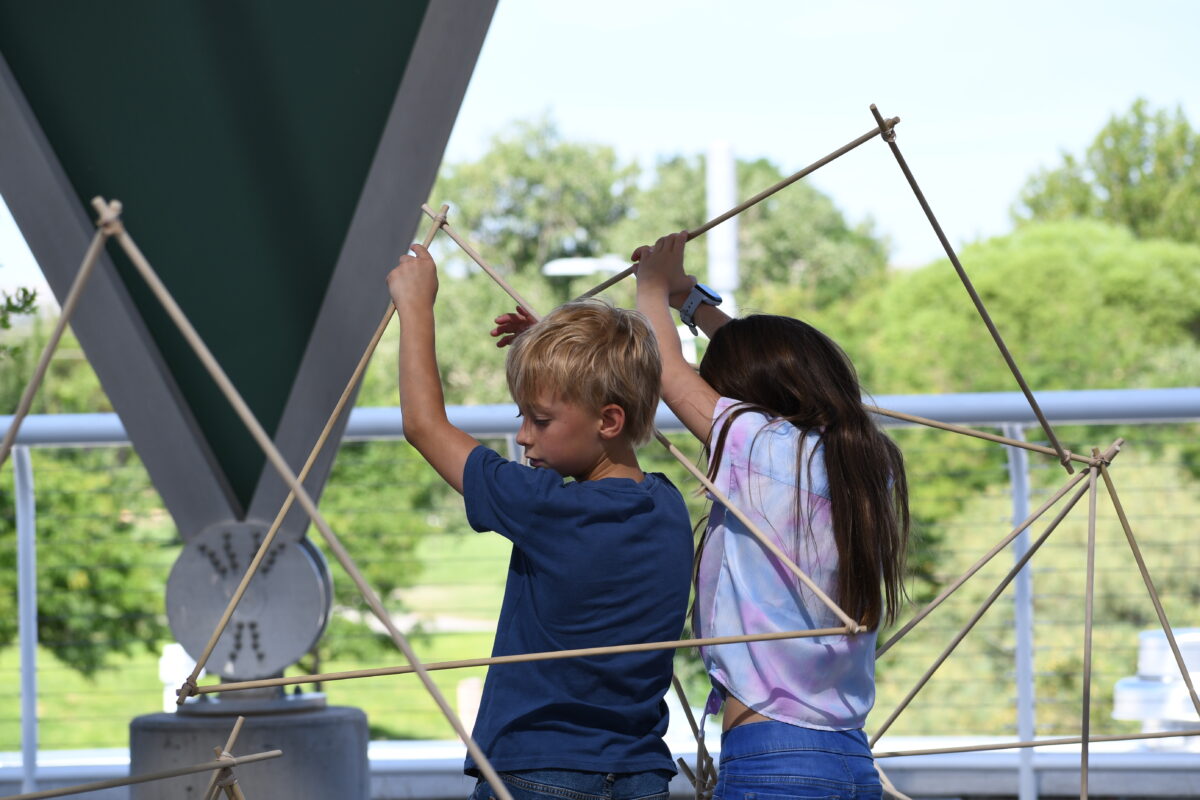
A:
<point x="281" y="616"/>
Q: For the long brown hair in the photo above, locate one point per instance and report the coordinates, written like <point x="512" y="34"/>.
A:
<point x="788" y="369"/>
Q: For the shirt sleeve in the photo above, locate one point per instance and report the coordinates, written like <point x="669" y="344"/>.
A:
<point x="504" y="496"/>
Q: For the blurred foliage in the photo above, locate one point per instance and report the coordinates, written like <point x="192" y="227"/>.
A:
<point x="22" y="302"/>
<point x="1141" y="171"/>
<point x="103" y="540"/>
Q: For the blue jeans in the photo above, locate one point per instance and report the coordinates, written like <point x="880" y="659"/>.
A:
<point x="567" y="784"/>
<point x="774" y="760"/>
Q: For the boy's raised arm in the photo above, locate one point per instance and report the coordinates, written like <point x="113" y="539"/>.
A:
<point x="413" y="285"/>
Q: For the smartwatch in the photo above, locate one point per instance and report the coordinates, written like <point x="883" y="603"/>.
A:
<point x="699" y="294"/>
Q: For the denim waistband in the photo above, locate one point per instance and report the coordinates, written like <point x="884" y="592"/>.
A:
<point x="758" y="738"/>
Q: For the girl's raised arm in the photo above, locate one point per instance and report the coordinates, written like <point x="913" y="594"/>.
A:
<point x="660" y="277"/>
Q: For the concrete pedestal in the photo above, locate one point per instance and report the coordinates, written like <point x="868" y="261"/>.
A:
<point x="324" y="754"/>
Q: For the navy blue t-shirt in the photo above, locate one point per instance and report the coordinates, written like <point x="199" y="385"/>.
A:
<point x="594" y="563"/>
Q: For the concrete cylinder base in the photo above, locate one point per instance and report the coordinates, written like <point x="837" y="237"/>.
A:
<point x="324" y="754"/>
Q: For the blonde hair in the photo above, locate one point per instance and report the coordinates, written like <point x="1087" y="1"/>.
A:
<point x="590" y="353"/>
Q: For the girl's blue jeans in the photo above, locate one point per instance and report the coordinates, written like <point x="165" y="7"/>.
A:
<point x="775" y="761"/>
<point x="565" y="784"/>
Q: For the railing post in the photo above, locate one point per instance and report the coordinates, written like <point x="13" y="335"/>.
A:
<point x="1018" y="473"/>
<point x="27" y="631"/>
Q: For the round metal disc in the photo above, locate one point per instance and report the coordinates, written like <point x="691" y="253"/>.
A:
<point x="280" y="617"/>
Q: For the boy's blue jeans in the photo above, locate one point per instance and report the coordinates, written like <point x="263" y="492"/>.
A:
<point x="566" y="784"/>
<point x="774" y="760"/>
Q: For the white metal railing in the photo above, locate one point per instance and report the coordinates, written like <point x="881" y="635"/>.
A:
<point x="1006" y="410"/>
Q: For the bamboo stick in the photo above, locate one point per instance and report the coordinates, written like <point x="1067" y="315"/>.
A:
<point x="980" y="748"/>
<point x="1088" y="607"/>
<point x="189" y="685"/>
<point x="90" y="256"/>
<point x="704" y="765"/>
<point x="277" y="461"/>
<point x="220" y="763"/>
<point x="889" y="136"/>
<point x="991" y="437"/>
<point x="758" y="198"/>
<point x="983" y="608"/>
<point x="520" y="658"/>
<point x="1158" y="608"/>
<point x="478" y="259"/>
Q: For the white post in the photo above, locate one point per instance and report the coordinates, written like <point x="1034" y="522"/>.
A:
<point x="721" y="195"/>
<point x="1018" y="473"/>
<point x="27" y="631"/>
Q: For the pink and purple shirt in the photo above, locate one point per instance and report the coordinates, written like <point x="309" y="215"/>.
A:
<point x="825" y="682"/>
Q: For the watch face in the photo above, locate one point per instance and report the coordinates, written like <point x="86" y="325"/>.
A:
<point x="709" y="293"/>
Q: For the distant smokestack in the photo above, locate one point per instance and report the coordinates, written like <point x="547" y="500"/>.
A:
<point x="721" y="195"/>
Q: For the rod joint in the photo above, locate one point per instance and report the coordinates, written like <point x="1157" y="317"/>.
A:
<point x="109" y="219"/>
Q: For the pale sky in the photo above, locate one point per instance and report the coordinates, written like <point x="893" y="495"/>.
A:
<point x="987" y="92"/>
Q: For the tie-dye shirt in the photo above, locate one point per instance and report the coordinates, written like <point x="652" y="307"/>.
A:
<point x="825" y="682"/>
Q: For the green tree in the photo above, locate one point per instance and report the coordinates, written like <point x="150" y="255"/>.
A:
<point x="1142" y="171"/>
<point x="20" y="303"/>
<point x="534" y="197"/>
<point x="795" y="240"/>
<point x="103" y="546"/>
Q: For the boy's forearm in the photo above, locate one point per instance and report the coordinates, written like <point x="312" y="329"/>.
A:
<point x="421" y="399"/>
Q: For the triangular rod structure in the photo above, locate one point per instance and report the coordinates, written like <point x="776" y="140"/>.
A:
<point x="889" y="135"/>
<point x="223" y="762"/>
<point x="1065" y="740"/>
<point x="851" y="625"/>
<point x="981" y="562"/>
<point x="1085" y="724"/>
<point x="280" y="464"/>
<point x="216" y="764"/>
<point x="1154" y="598"/>
<point x="189" y="685"/>
<point x="520" y="658"/>
<point x="704" y="778"/>
<point x="983" y="608"/>
<point x="758" y="198"/>
<point x="95" y="247"/>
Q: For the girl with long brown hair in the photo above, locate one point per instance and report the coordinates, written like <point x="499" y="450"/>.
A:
<point x="777" y="405"/>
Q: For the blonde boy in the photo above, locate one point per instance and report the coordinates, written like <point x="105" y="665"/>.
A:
<point x="603" y="559"/>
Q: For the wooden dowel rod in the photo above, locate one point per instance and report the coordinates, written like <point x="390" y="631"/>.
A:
<point x="704" y="767"/>
<point x="189" y="685"/>
<point x="889" y="136"/>
<point x="1154" y="598"/>
<point x="1089" y="596"/>
<point x="520" y="658"/>
<point x="758" y="198"/>
<point x="220" y="763"/>
<point x="681" y="458"/>
<point x="991" y="437"/>
<point x="1109" y="455"/>
<point x="980" y="748"/>
<point x="281" y="467"/>
<point x="478" y="259"/>
<point x="978" y="615"/>
<point x="90" y="256"/>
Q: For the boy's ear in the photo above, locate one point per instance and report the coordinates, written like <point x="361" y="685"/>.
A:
<point x="612" y="421"/>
